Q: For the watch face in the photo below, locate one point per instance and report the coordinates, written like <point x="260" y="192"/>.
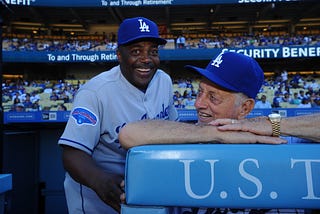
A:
<point x="275" y="117"/>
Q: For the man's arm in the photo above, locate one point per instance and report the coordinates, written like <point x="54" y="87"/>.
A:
<point x="306" y="126"/>
<point x="83" y="169"/>
<point x="169" y="132"/>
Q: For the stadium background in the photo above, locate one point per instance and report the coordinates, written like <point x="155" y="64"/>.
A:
<point x="28" y="147"/>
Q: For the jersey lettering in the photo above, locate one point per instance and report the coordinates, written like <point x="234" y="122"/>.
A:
<point x="163" y="114"/>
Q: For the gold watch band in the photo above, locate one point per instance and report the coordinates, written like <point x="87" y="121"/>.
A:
<point x="275" y="128"/>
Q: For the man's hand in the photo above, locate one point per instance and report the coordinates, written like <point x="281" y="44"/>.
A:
<point x="237" y="137"/>
<point x="257" y="125"/>
<point x="84" y="170"/>
<point x="123" y="195"/>
<point x="108" y="188"/>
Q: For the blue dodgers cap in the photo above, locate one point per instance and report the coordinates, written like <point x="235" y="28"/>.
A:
<point x="235" y="72"/>
<point x="138" y="28"/>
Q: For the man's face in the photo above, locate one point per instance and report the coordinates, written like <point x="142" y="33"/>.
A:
<point x="139" y="62"/>
<point x="213" y="103"/>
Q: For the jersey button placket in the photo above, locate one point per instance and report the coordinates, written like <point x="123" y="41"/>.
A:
<point x="145" y="104"/>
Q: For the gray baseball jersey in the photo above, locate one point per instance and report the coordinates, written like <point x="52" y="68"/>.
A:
<point x="101" y="108"/>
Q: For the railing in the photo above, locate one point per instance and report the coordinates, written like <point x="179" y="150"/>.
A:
<point x="184" y="114"/>
<point x="218" y="175"/>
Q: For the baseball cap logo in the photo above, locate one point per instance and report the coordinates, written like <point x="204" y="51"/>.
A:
<point x="218" y="60"/>
<point x="143" y="26"/>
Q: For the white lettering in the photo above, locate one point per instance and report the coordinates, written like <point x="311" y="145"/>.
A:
<point x="187" y="179"/>
<point x="131" y="3"/>
<point x="104" y="3"/>
<point x="258" y="52"/>
<point x="307" y="164"/>
<point x="275" y="52"/>
<point x="91" y="58"/>
<point x="157" y="2"/>
<point x="51" y="57"/>
<point x="18" y="2"/>
<point x="285" y="52"/>
<point x="114" y="3"/>
<point x="63" y="57"/>
<point x="108" y="57"/>
<point x="300" y="52"/>
<point x="249" y="177"/>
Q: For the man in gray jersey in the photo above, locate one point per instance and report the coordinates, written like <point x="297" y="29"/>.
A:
<point x="134" y="90"/>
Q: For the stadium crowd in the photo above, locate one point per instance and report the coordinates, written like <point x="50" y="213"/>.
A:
<point x="104" y="43"/>
<point x="279" y="91"/>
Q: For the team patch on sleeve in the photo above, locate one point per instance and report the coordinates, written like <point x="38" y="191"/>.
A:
<point x="84" y="116"/>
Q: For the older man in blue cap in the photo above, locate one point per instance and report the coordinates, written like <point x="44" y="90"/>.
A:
<point x="134" y="90"/>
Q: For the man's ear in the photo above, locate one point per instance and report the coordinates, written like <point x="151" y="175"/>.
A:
<point x="247" y="107"/>
<point x="118" y="55"/>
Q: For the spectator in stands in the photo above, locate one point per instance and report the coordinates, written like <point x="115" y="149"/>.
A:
<point x="36" y="106"/>
<point x="277" y="100"/>
<point x="34" y="96"/>
<point x="287" y="90"/>
<point x="48" y="89"/>
<point x="284" y="77"/>
<point x="54" y="96"/>
<point x="263" y="102"/>
<point x="193" y="93"/>
<point x="314" y="85"/>
<point x="189" y="102"/>
<point x="286" y="98"/>
<point x="136" y="89"/>
<point x="62" y="107"/>
<point x="27" y="101"/>
<point x="316" y="103"/>
<point x="63" y="96"/>
<point x="305" y="103"/>
<point x="19" y="107"/>
<point x="176" y="96"/>
<point x="185" y="94"/>
<point x="180" y="104"/>
<point x="295" y="100"/>
<point x="16" y="98"/>
<point x="46" y="108"/>
<point x="181" y="42"/>
<point x="296" y="81"/>
<point x="189" y="83"/>
<point x="182" y="83"/>
<point x="302" y="95"/>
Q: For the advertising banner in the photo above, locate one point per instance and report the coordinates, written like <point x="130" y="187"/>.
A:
<point x="126" y="3"/>
<point x="165" y="54"/>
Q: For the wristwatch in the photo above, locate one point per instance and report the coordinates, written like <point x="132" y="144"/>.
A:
<point x="275" y="119"/>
